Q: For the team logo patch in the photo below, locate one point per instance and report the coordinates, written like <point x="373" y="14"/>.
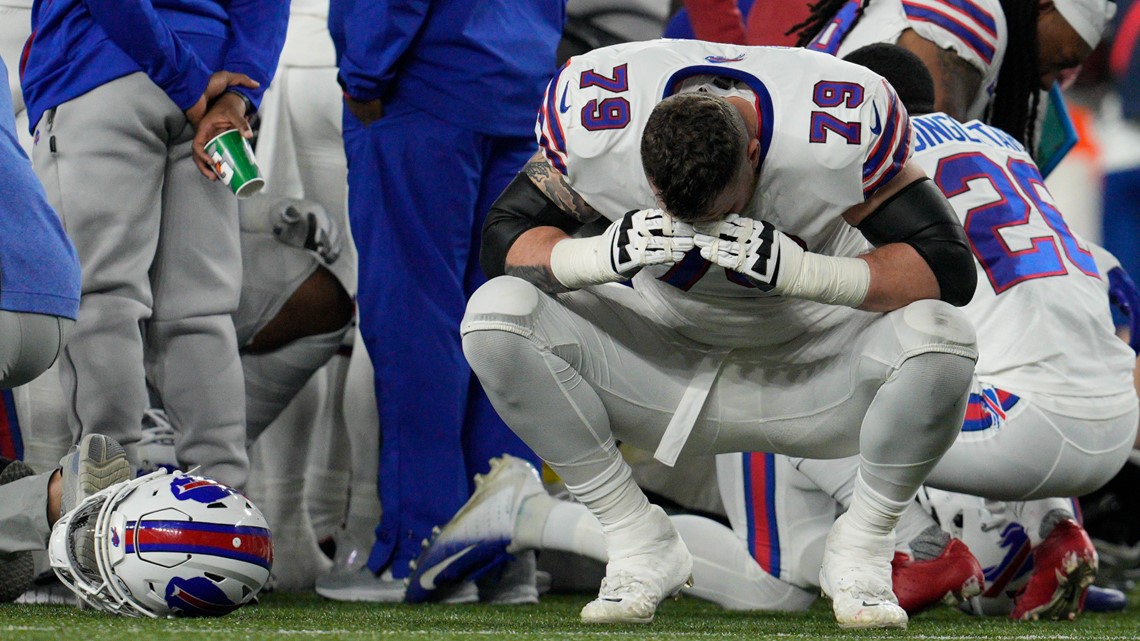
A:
<point x="190" y="488"/>
<point x="719" y="60"/>
<point x="197" y="597"/>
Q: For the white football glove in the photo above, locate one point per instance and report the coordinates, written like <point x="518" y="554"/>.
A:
<point x="647" y="237"/>
<point x="769" y="258"/>
<point x="306" y="224"/>
<point x="639" y="239"/>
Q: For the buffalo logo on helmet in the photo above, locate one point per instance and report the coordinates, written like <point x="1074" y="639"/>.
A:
<point x="197" y="597"/>
<point x="193" y="488"/>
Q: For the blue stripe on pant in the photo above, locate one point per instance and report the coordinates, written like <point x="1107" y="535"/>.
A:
<point x="419" y="188"/>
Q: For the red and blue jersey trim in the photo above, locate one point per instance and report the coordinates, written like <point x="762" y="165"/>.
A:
<point x="972" y="25"/>
<point x="11" y="440"/>
<point x="760" y="510"/>
<point x="552" y="139"/>
<point x="831" y="37"/>
<point x="241" y="543"/>
<point x="891" y="150"/>
<point x="988" y="409"/>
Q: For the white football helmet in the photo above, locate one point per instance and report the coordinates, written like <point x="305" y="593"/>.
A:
<point x="998" y="542"/>
<point x="164" y="544"/>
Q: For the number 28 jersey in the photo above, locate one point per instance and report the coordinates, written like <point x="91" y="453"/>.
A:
<point x="830" y="133"/>
<point x="1040" y="308"/>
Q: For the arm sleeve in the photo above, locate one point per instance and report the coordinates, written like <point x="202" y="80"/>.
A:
<point x="376" y="35"/>
<point x="717" y="21"/>
<point x="972" y="29"/>
<point x="138" y="30"/>
<point x="889" y="138"/>
<point x="257" y="33"/>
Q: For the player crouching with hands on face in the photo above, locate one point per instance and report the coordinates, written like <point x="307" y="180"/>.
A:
<point x="794" y="282"/>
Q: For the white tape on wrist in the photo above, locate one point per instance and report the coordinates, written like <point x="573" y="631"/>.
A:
<point x="835" y="280"/>
<point x="581" y="262"/>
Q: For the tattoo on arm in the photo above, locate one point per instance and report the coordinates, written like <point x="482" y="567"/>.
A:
<point x="538" y="276"/>
<point x="553" y="184"/>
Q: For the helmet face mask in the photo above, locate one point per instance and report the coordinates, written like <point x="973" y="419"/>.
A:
<point x="164" y="544"/>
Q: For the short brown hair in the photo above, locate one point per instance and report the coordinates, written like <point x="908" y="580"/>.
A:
<point x="691" y="151"/>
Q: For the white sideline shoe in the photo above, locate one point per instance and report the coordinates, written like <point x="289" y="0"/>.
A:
<point x="636" y="584"/>
<point x="96" y="463"/>
<point x="156" y="448"/>
<point x="856" y="576"/>
<point x="478" y="538"/>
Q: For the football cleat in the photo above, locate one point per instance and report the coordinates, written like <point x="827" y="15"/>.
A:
<point x="478" y="538"/>
<point x="1064" y="565"/>
<point x="1099" y="599"/>
<point x="636" y="584"/>
<point x="951" y="577"/>
<point x="364" y="586"/>
<point x="856" y="576"/>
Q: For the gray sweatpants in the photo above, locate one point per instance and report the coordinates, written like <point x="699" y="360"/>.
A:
<point x="159" y="249"/>
<point x="23" y="514"/>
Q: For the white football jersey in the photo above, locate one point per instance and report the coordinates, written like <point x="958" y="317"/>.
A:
<point x="973" y="29"/>
<point x="830" y="133"/>
<point x="1041" y="308"/>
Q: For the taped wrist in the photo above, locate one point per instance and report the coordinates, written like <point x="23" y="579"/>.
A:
<point x="920" y="216"/>
<point x="835" y="280"/>
<point x="581" y="262"/>
<point x="521" y="207"/>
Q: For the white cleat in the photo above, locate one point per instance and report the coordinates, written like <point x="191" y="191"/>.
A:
<point x="479" y="537"/>
<point x="637" y="583"/>
<point x="856" y="576"/>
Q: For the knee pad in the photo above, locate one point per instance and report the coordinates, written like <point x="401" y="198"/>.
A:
<point x="928" y="326"/>
<point x="504" y="303"/>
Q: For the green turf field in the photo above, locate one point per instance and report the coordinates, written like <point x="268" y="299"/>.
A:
<point x="298" y="617"/>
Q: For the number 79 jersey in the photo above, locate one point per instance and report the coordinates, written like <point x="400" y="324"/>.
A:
<point x="1040" y="308"/>
<point x="831" y="134"/>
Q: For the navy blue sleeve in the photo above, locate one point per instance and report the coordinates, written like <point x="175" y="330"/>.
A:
<point x="257" y="34"/>
<point x="138" y="30"/>
<point x="375" y="34"/>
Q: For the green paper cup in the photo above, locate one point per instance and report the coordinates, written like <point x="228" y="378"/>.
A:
<point x="234" y="163"/>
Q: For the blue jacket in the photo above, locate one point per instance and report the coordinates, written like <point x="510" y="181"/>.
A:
<point x="39" y="271"/>
<point x="482" y="64"/>
<point x="78" y="45"/>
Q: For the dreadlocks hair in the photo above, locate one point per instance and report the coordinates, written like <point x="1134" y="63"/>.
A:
<point x="691" y="152"/>
<point x="821" y="13"/>
<point x="1018" y="94"/>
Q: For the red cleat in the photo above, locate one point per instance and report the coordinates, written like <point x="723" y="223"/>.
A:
<point x="951" y="577"/>
<point x="1064" y="565"/>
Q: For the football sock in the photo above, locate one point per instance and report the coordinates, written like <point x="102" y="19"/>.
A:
<point x="929" y="544"/>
